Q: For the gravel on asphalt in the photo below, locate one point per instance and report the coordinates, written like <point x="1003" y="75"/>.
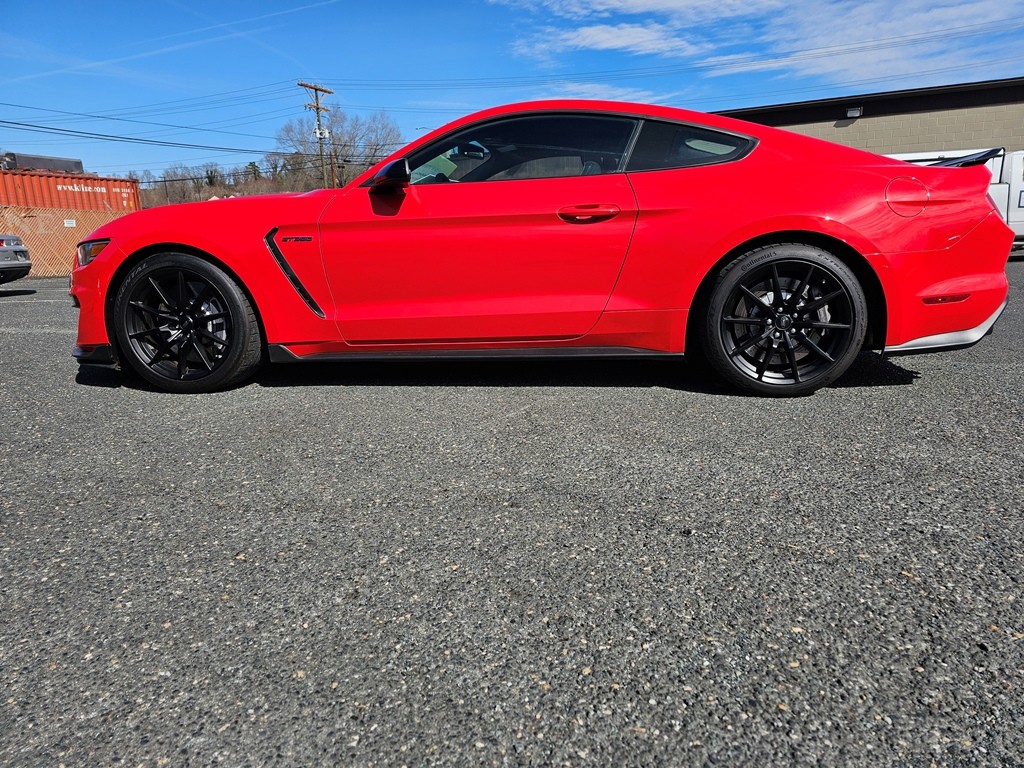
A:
<point x="560" y="563"/>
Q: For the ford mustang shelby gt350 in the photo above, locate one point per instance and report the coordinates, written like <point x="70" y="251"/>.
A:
<point x="561" y="228"/>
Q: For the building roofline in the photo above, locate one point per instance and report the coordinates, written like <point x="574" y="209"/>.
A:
<point x="985" y="93"/>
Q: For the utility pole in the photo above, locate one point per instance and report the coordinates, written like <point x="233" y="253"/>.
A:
<point x="321" y="133"/>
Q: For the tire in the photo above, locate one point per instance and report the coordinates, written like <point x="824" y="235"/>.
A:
<point x="185" y="326"/>
<point x="784" y="320"/>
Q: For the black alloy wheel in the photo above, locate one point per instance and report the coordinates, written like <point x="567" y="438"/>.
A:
<point x="184" y="325"/>
<point x="785" y="320"/>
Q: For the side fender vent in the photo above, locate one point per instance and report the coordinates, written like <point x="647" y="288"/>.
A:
<point x="282" y="262"/>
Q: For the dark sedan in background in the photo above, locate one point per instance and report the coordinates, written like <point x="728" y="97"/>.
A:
<point x="14" y="258"/>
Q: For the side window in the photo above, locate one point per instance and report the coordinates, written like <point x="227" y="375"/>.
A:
<point x="452" y="164"/>
<point x="534" y="147"/>
<point x="674" y="145"/>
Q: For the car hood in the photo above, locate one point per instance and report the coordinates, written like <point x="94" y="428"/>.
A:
<point x="214" y="224"/>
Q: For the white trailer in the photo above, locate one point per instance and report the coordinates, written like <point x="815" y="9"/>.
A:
<point x="1006" y="189"/>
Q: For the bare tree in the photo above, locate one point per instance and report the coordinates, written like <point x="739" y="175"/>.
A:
<point x="178" y="183"/>
<point x="273" y="166"/>
<point x="354" y="144"/>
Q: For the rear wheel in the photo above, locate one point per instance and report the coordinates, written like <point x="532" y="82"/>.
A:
<point x="184" y="325"/>
<point x="784" y="320"/>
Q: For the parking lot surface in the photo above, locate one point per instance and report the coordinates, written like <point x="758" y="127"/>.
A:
<point x="562" y="563"/>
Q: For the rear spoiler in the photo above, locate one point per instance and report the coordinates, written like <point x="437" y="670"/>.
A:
<point x="978" y="158"/>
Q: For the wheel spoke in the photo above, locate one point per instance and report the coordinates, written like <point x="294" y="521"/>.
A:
<point x="202" y="354"/>
<point x="213" y="338"/>
<point x="815" y="305"/>
<point x="756" y="298"/>
<point x="794" y="299"/>
<point x="201" y="296"/>
<point x="182" y="359"/>
<point x="182" y="292"/>
<point x="160" y="292"/>
<point x="740" y="348"/>
<point x="791" y="356"/>
<point x="776" y="284"/>
<point x="814" y="347"/>
<point x="836" y="326"/>
<point x="152" y="311"/>
<point x="213" y="316"/>
<point x="762" y="367"/>
<point x="163" y="349"/>
<point x="154" y="331"/>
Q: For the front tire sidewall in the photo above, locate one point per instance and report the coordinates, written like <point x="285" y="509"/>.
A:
<point x="240" y="360"/>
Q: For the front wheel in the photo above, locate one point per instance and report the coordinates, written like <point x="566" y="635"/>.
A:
<point x="184" y="325"/>
<point x="784" y="320"/>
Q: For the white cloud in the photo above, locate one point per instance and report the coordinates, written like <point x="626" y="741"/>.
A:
<point x="677" y="10"/>
<point x="573" y="90"/>
<point x="876" y="39"/>
<point x="651" y="38"/>
<point x="835" y="40"/>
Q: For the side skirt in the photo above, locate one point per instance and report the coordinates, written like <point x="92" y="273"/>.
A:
<point x="279" y="353"/>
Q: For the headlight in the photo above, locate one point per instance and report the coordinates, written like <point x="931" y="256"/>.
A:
<point x="90" y="250"/>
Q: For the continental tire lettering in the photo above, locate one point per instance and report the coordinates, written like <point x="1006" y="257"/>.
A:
<point x="758" y="260"/>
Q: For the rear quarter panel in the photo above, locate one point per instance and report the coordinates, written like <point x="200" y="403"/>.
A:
<point x="691" y="218"/>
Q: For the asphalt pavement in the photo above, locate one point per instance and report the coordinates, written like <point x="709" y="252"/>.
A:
<point x="610" y="563"/>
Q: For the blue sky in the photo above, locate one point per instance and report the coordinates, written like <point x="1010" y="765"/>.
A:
<point x="222" y="74"/>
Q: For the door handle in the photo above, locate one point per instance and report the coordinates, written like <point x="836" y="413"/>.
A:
<point x="588" y="214"/>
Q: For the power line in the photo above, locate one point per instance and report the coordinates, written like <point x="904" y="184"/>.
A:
<point x="127" y="139"/>
<point x="208" y="101"/>
<point x="136" y="122"/>
<point x="34" y="128"/>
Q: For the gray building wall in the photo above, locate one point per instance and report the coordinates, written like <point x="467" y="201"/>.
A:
<point x="967" y="128"/>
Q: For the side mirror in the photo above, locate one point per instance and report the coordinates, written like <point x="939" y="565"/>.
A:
<point x="393" y="176"/>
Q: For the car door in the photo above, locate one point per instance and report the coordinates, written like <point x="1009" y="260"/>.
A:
<point x="512" y="230"/>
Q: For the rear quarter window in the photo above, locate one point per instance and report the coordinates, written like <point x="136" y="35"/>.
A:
<point x="675" y="145"/>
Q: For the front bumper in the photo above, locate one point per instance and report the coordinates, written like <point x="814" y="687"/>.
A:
<point x="98" y="354"/>
<point x="88" y="295"/>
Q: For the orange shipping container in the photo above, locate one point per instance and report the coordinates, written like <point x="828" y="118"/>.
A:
<point x="80" y="193"/>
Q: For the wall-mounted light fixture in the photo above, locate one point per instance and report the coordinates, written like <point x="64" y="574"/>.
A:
<point x="852" y="112"/>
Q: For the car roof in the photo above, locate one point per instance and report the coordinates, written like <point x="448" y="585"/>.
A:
<point x="812" y="148"/>
<point x="632" y="109"/>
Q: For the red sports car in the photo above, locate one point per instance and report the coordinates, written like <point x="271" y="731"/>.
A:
<point x="561" y="228"/>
